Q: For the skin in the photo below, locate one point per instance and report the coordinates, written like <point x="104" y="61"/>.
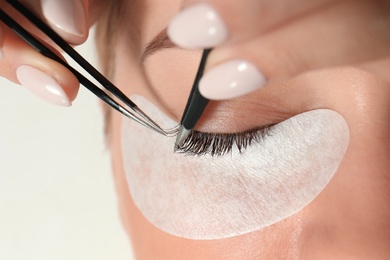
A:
<point x="350" y="218"/>
<point x="17" y="52"/>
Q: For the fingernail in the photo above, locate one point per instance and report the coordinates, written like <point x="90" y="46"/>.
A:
<point x="42" y="85"/>
<point x="230" y="80"/>
<point x="67" y="15"/>
<point x="199" y="26"/>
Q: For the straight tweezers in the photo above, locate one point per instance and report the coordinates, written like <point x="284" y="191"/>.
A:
<point x="136" y="114"/>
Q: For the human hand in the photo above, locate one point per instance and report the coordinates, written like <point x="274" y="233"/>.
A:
<point x="23" y="65"/>
<point x="259" y="41"/>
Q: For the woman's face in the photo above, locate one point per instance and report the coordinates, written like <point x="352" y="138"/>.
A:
<point x="316" y="186"/>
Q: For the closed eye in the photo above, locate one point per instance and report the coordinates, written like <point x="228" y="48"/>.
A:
<point x="214" y="144"/>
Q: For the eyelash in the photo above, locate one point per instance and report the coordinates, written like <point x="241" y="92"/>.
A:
<point x="199" y="143"/>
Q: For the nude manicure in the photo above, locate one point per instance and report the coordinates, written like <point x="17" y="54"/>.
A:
<point x="230" y="80"/>
<point x="67" y="15"/>
<point x="42" y="85"/>
<point x="197" y="27"/>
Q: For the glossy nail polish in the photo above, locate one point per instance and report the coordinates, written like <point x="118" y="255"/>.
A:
<point x="67" y="15"/>
<point x="197" y="27"/>
<point x="230" y="80"/>
<point x="42" y="85"/>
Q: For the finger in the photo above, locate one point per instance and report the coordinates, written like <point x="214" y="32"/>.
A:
<point x="1" y="41"/>
<point x="74" y="24"/>
<point x="215" y="22"/>
<point x="68" y="18"/>
<point x="44" y="77"/>
<point x="345" y="34"/>
<point x="379" y="67"/>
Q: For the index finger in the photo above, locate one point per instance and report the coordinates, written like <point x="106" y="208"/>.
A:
<point x="68" y="18"/>
<point x="215" y="22"/>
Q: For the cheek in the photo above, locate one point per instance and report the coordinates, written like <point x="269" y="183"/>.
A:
<point x="213" y="198"/>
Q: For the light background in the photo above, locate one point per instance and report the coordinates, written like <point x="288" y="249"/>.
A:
<point x="57" y="198"/>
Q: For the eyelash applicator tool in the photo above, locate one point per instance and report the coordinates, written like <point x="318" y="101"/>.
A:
<point x="195" y="107"/>
<point x="136" y="114"/>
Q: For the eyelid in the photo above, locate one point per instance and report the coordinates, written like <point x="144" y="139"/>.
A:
<point x="159" y="42"/>
<point x="216" y="144"/>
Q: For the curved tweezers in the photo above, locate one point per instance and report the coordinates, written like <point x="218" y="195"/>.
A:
<point x="138" y="115"/>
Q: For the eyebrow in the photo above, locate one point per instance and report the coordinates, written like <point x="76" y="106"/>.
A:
<point x="160" y="41"/>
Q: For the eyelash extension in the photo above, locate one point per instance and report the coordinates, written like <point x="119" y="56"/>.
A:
<point x="199" y="143"/>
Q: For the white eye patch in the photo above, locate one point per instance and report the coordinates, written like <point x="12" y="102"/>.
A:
<point x="218" y="197"/>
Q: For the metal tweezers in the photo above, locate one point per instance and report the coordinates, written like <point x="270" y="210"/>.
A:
<point x="132" y="111"/>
